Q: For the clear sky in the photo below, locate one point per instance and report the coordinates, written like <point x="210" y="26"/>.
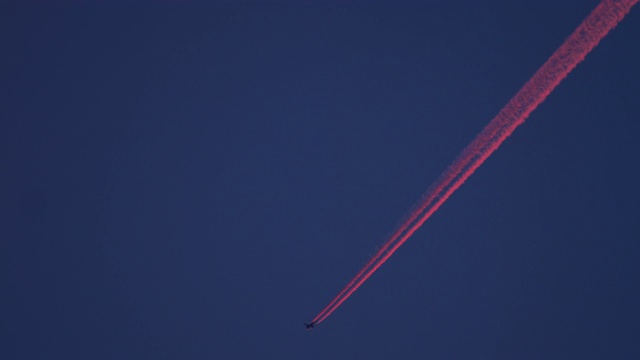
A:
<point x="190" y="181"/>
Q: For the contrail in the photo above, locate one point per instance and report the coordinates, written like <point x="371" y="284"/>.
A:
<point x="592" y="29"/>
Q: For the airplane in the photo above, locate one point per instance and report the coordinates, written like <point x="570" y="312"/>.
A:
<point x="310" y="326"/>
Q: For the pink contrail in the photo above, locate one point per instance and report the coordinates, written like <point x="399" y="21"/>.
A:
<point x="593" y="29"/>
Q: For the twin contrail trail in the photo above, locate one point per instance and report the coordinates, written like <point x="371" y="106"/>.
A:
<point x="592" y="29"/>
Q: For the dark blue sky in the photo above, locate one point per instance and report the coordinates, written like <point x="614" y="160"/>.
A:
<point x="195" y="181"/>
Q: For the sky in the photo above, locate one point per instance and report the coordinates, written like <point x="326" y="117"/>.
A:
<point x="196" y="180"/>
